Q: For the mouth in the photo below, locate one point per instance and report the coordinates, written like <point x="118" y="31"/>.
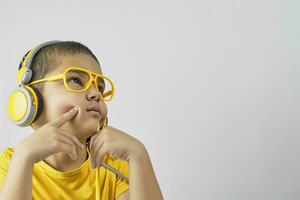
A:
<point x="94" y="112"/>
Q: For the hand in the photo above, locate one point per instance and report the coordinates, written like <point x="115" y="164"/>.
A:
<point x="115" y="142"/>
<point x="50" y="139"/>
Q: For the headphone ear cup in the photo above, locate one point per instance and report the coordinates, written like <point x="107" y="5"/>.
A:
<point x="23" y="105"/>
<point x="39" y="104"/>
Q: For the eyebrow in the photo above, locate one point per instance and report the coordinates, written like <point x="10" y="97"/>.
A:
<point x="75" y="71"/>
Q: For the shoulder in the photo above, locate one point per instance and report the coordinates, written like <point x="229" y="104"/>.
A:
<point x="120" y="185"/>
<point x="6" y="154"/>
<point x="5" y="157"/>
<point x="118" y="164"/>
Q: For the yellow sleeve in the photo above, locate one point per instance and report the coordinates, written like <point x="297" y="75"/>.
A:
<point x="5" y="157"/>
<point x="121" y="185"/>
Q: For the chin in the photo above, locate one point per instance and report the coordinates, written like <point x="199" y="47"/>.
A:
<point x="87" y="125"/>
<point x="88" y="128"/>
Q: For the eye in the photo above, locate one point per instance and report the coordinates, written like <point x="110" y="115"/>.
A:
<point x="100" y="87"/>
<point x="76" y="81"/>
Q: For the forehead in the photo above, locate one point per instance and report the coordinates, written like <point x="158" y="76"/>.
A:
<point x="78" y="60"/>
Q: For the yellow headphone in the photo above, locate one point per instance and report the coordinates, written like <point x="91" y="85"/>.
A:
<point x="25" y="103"/>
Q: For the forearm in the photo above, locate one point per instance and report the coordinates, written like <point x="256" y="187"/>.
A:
<point x="143" y="184"/>
<point x="18" y="181"/>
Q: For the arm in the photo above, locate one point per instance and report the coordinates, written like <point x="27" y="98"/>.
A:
<point x="43" y="142"/>
<point x="18" y="181"/>
<point x="142" y="181"/>
<point x="143" y="184"/>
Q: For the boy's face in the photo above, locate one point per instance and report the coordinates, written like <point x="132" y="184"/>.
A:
<point x="59" y="100"/>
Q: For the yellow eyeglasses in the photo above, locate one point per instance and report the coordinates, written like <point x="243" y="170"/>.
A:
<point x="78" y="79"/>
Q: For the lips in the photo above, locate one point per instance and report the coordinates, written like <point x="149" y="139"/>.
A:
<point x="95" y="108"/>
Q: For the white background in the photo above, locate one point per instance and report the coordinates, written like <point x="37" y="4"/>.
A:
<point x="210" y="87"/>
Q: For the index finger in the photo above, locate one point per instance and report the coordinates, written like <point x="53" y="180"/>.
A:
<point x="65" y="117"/>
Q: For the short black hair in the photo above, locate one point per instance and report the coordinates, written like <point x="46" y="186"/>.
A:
<point x="49" y="57"/>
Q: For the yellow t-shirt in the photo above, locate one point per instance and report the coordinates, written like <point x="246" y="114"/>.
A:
<point x="83" y="183"/>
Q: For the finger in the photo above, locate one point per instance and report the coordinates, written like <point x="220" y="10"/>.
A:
<point x="71" y="137"/>
<point x="100" y="156"/>
<point x="66" y="140"/>
<point x="92" y="141"/>
<point x="65" y="147"/>
<point x="94" y="157"/>
<point x="63" y="137"/>
<point x="97" y="152"/>
<point x="91" y="148"/>
<point x="65" y="117"/>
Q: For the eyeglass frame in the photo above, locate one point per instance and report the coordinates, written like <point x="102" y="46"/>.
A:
<point x="88" y="85"/>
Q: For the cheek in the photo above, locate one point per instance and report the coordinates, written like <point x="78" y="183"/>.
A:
<point x="58" y="105"/>
<point x="103" y="109"/>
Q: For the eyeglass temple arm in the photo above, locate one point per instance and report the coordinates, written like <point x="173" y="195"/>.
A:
<point x="53" y="78"/>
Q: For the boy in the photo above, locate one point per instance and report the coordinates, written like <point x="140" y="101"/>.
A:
<point x="55" y="162"/>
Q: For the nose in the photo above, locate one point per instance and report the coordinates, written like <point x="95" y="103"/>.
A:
<point x="93" y="92"/>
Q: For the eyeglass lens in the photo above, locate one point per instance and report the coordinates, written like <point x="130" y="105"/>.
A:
<point x="78" y="80"/>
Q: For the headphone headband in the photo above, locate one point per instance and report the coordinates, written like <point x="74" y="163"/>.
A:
<point x="25" y="73"/>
